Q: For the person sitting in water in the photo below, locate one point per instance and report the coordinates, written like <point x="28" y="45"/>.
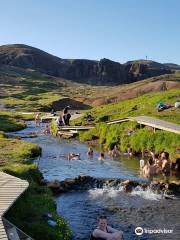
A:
<point x="166" y="165"/>
<point x="115" y="152"/>
<point x="47" y="130"/>
<point x="157" y="160"/>
<point x="129" y="152"/>
<point x="176" y="167"/>
<point x="150" y="169"/>
<point x="105" y="232"/>
<point x="101" y="157"/>
<point x="74" y="156"/>
<point x="90" y="152"/>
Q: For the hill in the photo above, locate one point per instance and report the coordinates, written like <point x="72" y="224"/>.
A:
<point x="26" y="89"/>
<point x="103" y="72"/>
<point x="130" y="134"/>
<point x="172" y="66"/>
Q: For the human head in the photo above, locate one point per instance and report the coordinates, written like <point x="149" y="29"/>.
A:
<point x="165" y="155"/>
<point x="102" y="223"/>
<point x="102" y="154"/>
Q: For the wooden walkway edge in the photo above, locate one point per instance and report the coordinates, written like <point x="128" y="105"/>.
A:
<point x="11" y="189"/>
<point x="151" y="122"/>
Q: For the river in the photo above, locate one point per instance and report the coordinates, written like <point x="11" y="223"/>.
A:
<point x="125" y="211"/>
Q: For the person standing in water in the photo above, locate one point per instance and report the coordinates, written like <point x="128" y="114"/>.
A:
<point x="37" y="119"/>
<point x="105" y="232"/>
<point x="150" y="169"/>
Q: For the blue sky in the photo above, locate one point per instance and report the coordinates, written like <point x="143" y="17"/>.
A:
<point x="120" y="30"/>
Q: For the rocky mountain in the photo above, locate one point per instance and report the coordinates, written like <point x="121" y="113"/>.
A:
<point x="103" y="72"/>
<point x="172" y="66"/>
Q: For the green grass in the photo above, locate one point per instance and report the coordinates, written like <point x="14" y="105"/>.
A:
<point x="142" y="139"/>
<point x="31" y="91"/>
<point x="27" y="212"/>
<point x="13" y="121"/>
<point x="143" y="105"/>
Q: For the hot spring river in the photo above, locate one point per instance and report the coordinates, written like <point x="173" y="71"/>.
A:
<point x="125" y="211"/>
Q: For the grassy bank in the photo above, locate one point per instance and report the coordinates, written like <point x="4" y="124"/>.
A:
<point x="141" y="139"/>
<point x="16" y="159"/>
<point x="13" y="121"/>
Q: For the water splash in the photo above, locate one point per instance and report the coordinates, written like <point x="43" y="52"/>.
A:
<point x="107" y="191"/>
<point x="147" y="194"/>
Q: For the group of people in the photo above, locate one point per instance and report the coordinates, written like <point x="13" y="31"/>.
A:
<point x="115" y="153"/>
<point x="159" y="163"/>
<point x="61" y="120"/>
<point x="64" y="118"/>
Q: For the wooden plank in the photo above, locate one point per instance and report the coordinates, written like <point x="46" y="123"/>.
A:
<point x="118" y="121"/>
<point x="65" y="133"/>
<point x="3" y="235"/>
<point x="76" y="128"/>
<point x="157" y="123"/>
<point x="10" y="190"/>
<point x="151" y="122"/>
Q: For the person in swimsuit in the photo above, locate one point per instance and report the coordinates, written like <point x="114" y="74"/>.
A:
<point x="90" y="152"/>
<point x="101" y="157"/>
<point x="37" y="119"/>
<point x="105" y="232"/>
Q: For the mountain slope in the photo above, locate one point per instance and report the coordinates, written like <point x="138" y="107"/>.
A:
<point x="30" y="90"/>
<point x="103" y="72"/>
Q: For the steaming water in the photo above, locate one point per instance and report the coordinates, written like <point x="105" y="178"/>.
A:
<point x="125" y="211"/>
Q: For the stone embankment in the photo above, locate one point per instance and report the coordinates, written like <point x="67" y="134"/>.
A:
<point x="82" y="183"/>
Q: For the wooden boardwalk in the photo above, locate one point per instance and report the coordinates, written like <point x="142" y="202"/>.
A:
<point x="151" y="122"/>
<point x="76" y="128"/>
<point x="10" y="190"/>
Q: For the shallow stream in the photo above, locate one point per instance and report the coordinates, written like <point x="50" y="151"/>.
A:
<point x="125" y="211"/>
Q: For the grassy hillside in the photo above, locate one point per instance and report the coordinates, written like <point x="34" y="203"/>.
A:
<point x="143" y="105"/>
<point x="142" y="138"/>
<point x="31" y="91"/>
